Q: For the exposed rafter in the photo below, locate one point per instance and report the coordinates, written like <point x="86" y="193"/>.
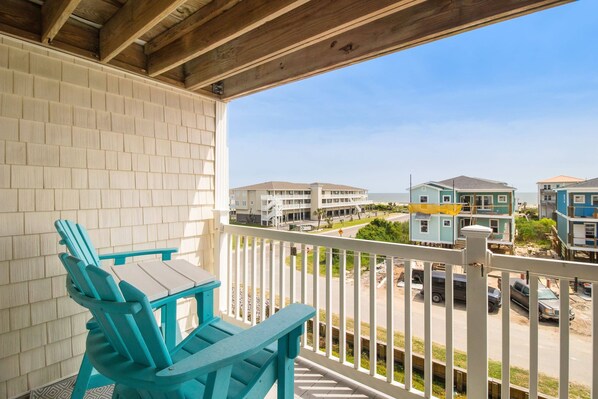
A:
<point x="414" y="26"/>
<point x="134" y="19"/>
<point x="319" y="20"/>
<point x="198" y="18"/>
<point x="54" y="15"/>
<point x="245" y="16"/>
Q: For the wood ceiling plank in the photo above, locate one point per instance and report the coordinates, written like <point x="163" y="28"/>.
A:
<point x="131" y="21"/>
<point x="318" y="20"/>
<point x="54" y="15"/>
<point x="21" y="18"/>
<point x="414" y="26"/>
<point x="240" y="19"/>
<point x="198" y="18"/>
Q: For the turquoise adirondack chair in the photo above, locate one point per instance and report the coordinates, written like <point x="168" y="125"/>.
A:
<point x="77" y="240"/>
<point x="217" y="360"/>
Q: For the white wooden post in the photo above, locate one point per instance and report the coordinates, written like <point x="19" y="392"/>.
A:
<point x="221" y="208"/>
<point x="477" y="265"/>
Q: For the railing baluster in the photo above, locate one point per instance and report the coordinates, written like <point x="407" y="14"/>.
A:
<point x="329" y="302"/>
<point x="449" y="305"/>
<point x="594" y="387"/>
<point x="293" y="270"/>
<point x="564" y="338"/>
<point x="373" y="283"/>
<point x="390" y="361"/>
<point x="533" y="336"/>
<point x="304" y="286"/>
<point x="282" y="275"/>
<point x="272" y="277"/>
<point x="254" y="281"/>
<point x="408" y="343"/>
<point x="505" y="391"/>
<point x="237" y="296"/>
<point x="245" y="278"/>
<point x="263" y="280"/>
<point x="357" y="309"/>
<point x="342" y="352"/>
<point x="428" y="329"/>
<point x="316" y="294"/>
<point x="229" y="259"/>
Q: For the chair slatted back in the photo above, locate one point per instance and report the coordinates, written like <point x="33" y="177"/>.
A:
<point x="121" y="315"/>
<point x="76" y="239"/>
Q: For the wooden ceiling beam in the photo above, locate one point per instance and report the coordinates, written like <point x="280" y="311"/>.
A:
<point x="55" y="13"/>
<point x="318" y="20"/>
<point x="198" y="18"/>
<point x="240" y="19"/>
<point x="130" y="22"/>
<point x="426" y="22"/>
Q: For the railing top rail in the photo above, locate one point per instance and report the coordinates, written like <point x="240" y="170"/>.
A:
<point x="546" y="267"/>
<point x="405" y="251"/>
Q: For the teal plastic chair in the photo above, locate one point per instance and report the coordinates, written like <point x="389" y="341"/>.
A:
<point x="217" y="360"/>
<point x="75" y="237"/>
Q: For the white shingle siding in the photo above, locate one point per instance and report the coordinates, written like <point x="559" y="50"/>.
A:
<point x="129" y="158"/>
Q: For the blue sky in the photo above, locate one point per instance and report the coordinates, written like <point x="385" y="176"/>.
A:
<point x="515" y="101"/>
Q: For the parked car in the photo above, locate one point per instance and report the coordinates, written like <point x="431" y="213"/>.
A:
<point x="585" y="287"/>
<point x="459" y="290"/>
<point x="548" y="302"/>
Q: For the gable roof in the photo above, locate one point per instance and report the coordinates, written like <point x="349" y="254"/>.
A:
<point x="590" y="183"/>
<point x="474" y="183"/>
<point x="285" y="185"/>
<point x="561" y="179"/>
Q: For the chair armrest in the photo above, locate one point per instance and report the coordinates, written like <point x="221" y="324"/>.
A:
<point x="120" y="257"/>
<point x="238" y="347"/>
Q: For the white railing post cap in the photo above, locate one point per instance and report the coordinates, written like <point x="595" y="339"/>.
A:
<point x="476" y="231"/>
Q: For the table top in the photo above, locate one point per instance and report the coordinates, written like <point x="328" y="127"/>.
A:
<point x="158" y="279"/>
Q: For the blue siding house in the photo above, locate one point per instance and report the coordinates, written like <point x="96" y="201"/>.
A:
<point x="577" y="220"/>
<point x="435" y="219"/>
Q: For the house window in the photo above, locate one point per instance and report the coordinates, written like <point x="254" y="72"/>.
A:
<point x="547" y="187"/>
<point x="494" y="225"/>
<point x="446" y="198"/>
<point x="590" y="230"/>
<point x="446" y="223"/>
<point x="483" y="201"/>
<point x="502" y="199"/>
<point x="579" y="199"/>
<point x="244" y="203"/>
<point x="423" y="199"/>
<point x="594" y="200"/>
<point x="423" y="226"/>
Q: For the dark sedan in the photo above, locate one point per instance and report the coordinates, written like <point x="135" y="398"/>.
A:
<point x="548" y="302"/>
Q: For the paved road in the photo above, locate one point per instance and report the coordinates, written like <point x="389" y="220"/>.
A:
<point x="580" y="346"/>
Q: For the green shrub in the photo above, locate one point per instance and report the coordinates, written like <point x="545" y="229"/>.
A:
<point x="534" y="231"/>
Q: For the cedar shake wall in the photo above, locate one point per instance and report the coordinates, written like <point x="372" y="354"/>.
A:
<point x="129" y="158"/>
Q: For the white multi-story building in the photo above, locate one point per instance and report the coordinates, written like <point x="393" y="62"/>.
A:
<point x="274" y="202"/>
<point x="547" y="193"/>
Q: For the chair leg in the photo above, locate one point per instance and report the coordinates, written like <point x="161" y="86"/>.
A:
<point x="170" y="324"/>
<point x="286" y="370"/>
<point x="82" y="379"/>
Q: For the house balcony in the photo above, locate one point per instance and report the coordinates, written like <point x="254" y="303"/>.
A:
<point x="492" y="210"/>
<point x="356" y="321"/>
<point x="582" y="211"/>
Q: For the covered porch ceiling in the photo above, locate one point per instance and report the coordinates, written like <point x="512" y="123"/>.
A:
<point x="231" y="48"/>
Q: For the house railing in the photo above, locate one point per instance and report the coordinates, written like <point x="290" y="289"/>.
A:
<point x="490" y="209"/>
<point x="266" y="269"/>
<point x="582" y="211"/>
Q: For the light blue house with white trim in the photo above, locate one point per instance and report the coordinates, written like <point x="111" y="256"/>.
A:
<point x="577" y="220"/>
<point x="483" y="202"/>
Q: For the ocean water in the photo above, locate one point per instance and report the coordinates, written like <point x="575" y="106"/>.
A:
<point x="403" y="198"/>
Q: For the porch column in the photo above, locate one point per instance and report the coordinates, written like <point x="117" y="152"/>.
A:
<point x="221" y="207"/>
<point x="477" y="265"/>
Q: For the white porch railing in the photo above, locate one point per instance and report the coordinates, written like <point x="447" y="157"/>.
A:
<point x="262" y="266"/>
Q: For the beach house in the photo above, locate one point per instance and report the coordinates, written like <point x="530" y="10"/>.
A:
<point x="274" y="202"/>
<point x="439" y="211"/>
<point x="547" y="193"/>
<point x="577" y="220"/>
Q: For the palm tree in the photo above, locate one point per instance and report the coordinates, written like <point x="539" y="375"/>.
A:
<point x="319" y="213"/>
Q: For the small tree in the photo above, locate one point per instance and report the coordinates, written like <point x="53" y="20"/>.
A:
<point x="319" y="214"/>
